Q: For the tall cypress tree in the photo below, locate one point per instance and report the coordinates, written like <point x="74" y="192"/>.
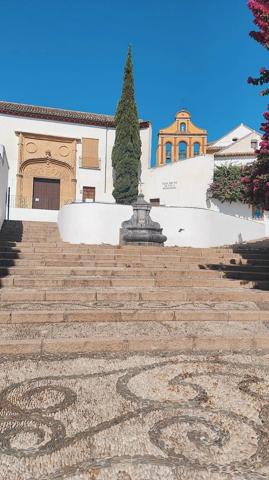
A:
<point x="127" y="148"/>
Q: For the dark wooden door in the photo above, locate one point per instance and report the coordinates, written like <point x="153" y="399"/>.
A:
<point x="46" y="193"/>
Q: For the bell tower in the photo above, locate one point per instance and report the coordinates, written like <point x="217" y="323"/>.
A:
<point x="181" y="140"/>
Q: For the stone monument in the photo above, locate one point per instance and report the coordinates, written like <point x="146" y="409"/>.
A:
<point x="141" y="229"/>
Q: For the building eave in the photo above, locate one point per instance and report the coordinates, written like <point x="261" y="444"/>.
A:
<point x="60" y="115"/>
<point x="235" y="154"/>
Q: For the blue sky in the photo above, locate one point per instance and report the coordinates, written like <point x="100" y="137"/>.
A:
<point x="193" y="54"/>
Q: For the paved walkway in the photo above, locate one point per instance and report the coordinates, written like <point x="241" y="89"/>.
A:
<point x="148" y="416"/>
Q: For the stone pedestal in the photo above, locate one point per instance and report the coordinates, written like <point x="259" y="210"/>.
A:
<point x="140" y="229"/>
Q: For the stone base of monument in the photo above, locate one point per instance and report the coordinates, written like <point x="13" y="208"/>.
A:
<point x="141" y="229"/>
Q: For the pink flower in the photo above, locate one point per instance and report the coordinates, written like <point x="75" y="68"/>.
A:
<point x="245" y="180"/>
<point x="255" y="181"/>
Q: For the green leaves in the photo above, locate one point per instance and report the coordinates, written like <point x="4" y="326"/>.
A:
<point x="126" y="152"/>
<point x="227" y="186"/>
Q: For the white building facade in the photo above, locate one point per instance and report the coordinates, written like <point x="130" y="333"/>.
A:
<point x="58" y="156"/>
<point x="185" y="183"/>
<point x="60" y="169"/>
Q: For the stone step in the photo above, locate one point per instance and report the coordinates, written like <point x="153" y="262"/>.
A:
<point x="17" y="295"/>
<point x="237" y="267"/>
<point x="173" y="251"/>
<point x="131" y="249"/>
<point x="132" y="336"/>
<point x="39" y="260"/>
<point x="47" y="271"/>
<point x="101" y="311"/>
<point x="102" y="259"/>
<point x="53" y="243"/>
<point x="35" y="239"/>
<point x="76" y="282"/>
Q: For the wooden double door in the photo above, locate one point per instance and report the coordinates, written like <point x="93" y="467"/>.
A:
<point x="46" y="193"/>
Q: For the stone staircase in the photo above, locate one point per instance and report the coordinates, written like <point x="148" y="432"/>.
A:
<point x="62" y="298"/>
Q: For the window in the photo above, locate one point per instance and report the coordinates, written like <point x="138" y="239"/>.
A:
<point x="196" y="149"/>
<point x="254" y="144"/>
<point x="182" y="127"/>
<point x="89" y="157"/>
<point x="168" y="152"/>
<point x="182" y="150"/>
<point x="88" y="194"/>
<point x="155" y="202"/>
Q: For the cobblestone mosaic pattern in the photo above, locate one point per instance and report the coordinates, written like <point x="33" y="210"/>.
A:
<point x="110" y="305"/>
<point x="135" y="417"/>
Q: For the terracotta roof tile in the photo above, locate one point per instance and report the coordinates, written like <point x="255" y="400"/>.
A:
<point x="59" y="114"/>
<point x="235" y="154"/>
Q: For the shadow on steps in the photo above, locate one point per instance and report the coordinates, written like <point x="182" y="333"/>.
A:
<point x="11" y="232"/>
<point x="251" y="268"/>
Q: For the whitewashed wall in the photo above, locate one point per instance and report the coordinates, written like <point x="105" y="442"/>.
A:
<point x="3" y="183"/>
<point x="238" y="132"/>
<point x="33" y="215"/>
<point x="183" y="183"/>
<point x="93" y="223"/>
<point x="97" y="223"/>
<point x="100" y="179"/>
<point x="236" y="209"/>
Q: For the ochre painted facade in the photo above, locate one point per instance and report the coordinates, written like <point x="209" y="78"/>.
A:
<point x="49" y="157"/>
<point x="180" y="140"/>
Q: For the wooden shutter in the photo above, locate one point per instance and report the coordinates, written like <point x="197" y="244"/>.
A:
<point x="90" y="157"/>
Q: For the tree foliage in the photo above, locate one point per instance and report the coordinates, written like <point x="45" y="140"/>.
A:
<point x="255" y="177"/>
<point x="127" y="147"/>
<point x="227" y="186"/>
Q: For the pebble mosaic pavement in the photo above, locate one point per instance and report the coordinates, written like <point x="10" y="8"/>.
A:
<point x="147" y="416"/>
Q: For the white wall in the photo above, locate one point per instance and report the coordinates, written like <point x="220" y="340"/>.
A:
<point x="3" y="183"/>
<point x="236" y="209"/>
<point x="97" y="223"/>
<point x="92" y="223"/>
<point x="33" y="215"/>
<point x="100" y="179"/>
<point x="205" y="228"/>
<point x="238" y="132"/>
<point x="183" y="183"/>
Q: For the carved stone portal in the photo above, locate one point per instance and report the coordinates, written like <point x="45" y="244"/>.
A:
<point x="43" y="156"/>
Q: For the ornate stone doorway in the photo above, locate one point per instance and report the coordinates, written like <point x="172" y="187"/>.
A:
<point x="48" y="164"/>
